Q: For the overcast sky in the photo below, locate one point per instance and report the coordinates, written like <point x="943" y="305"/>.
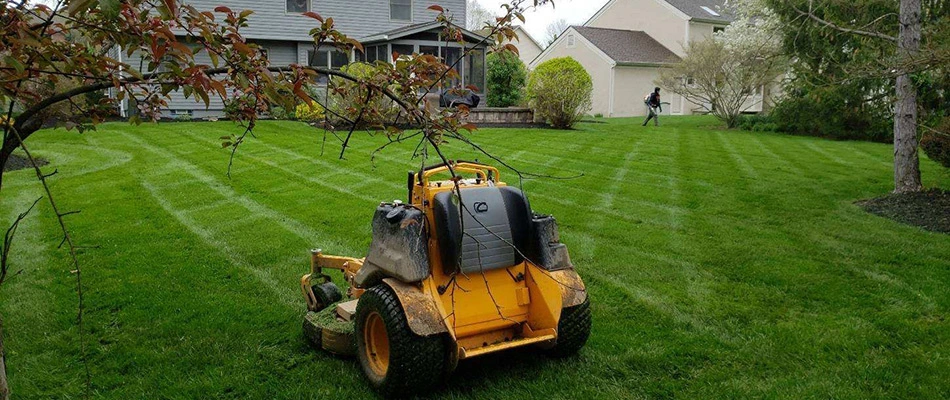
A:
<point x="575" y="12"/>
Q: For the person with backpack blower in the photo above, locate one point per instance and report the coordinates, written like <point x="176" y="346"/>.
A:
<point x="653" y="103"/>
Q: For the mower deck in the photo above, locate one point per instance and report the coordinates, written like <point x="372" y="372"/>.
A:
<point x="326" y="331"/>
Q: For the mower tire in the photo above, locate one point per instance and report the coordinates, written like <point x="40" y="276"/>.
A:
<point x="572" y="330"/>
<point x="396" y="361"/>
<point x="326" y="293"/>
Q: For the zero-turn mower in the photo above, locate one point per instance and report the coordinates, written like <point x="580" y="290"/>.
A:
<point x="464" y="269"/>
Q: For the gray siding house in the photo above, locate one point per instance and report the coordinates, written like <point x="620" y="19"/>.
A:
<point x="383" y="26"/>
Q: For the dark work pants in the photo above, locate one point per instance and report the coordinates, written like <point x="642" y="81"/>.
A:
<point x="654" y="115"/>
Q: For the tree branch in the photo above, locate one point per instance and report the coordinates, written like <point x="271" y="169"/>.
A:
<point x="72" y="253"/>
<point x="832" y="25"/>
<point x="8" y="240"/>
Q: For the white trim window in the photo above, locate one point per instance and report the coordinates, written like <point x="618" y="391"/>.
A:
<point x="333" y="59"/>
<point x="400" y="10"/>
<point x="298" y="6"/>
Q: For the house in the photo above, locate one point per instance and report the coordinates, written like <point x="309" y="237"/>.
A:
<point x="383" y="26"/>
<point x="528" y="47"/>
<point x="626" y="44"/>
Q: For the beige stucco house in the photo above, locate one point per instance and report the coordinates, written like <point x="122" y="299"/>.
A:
<point x="626" y="44"/>
<point x="528" y="47"/>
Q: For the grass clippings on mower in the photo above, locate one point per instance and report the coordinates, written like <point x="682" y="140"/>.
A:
<point x="929" y="209"/>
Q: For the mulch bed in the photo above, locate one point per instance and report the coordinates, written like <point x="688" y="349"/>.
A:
<point x="929" y="210"/>
<point x="16" y="162"/>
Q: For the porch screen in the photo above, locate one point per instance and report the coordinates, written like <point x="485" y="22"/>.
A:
<point x="403" y="49"/>
<point x="475" y="70"/>
<point x="450" y="56"/>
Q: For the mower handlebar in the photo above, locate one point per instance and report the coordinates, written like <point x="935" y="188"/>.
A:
<point x="485" y="172"/>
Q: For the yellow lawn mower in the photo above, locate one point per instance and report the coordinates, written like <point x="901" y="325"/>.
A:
<point x="465" y="269"/>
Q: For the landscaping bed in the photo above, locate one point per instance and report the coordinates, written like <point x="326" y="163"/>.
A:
<point x="18" y="162"/>
<point x="929" y="210"/>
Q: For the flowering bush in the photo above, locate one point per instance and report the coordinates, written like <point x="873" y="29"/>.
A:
<point x="312" y="112"/>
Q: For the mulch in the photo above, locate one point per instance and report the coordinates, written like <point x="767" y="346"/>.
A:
<point x="929" y="209"/>
<point x="17" y="162"/>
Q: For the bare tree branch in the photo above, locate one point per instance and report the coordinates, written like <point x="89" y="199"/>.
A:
<point x="8" y="240"/>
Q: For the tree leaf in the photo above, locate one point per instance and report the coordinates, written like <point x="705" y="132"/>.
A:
<point x="313" y="15"/>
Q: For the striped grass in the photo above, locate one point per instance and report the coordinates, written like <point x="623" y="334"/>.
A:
<point x="721" y="264"/>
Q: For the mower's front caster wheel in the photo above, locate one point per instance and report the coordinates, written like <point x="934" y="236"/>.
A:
<point x="572" y="330"/>
<point x="326" y="293"/>
<point x="396" y="361"/>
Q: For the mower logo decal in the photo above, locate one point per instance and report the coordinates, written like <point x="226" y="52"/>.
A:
<point x="481" y="207"/>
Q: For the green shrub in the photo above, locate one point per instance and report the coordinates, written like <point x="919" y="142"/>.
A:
<point x="560" y="91"/>
<point x="312" y="112"/>
<point x="507" y="77"/>
<point x="280" y="113"/>
<point x="757" y="123"/>
<point x="184" y="118"/>
<point x="833" y="112"/>
<point x="937" y="144"/>
<point x="347" y="99"/>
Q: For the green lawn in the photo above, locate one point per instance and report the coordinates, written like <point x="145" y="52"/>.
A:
<point x="720" y="264"/>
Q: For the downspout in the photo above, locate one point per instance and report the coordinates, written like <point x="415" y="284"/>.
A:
<point x="683" y="99"/>
<point x="121" y="102"/>
<point x="610" y="101"/>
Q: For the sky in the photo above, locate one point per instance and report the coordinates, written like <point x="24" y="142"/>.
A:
<point x="575" y="12"/>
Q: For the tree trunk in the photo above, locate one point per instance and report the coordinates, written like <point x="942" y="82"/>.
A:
<point x="4" y="386"/>
<point x="906" y="162"/>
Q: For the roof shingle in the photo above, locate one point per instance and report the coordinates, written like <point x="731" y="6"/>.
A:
<point x="634" y="47"/>
<point x="695" y="9"/>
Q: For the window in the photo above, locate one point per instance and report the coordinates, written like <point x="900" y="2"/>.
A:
<point x="404" y="49"/>
<point x="475" y="70"/>
<point x="371" y="54"/>
<point x="383" y="54"/>
<point x="718" y="29"/>
<point x="319" y="59"/>
<point x="450" y="56"/>
<point x="338" y="59"/>
<point x="333" y="59"/>
<point x="298" y="6"/>
<point x="400" y="10"/>
<point x="571" y="41"/>
<point x="430" y="50"/>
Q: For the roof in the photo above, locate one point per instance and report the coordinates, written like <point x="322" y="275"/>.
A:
<point x="704" y="10"/>
<point x="410" y="30"/>
<point x="627" y="47"/>
<point x="523" y="35"/>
